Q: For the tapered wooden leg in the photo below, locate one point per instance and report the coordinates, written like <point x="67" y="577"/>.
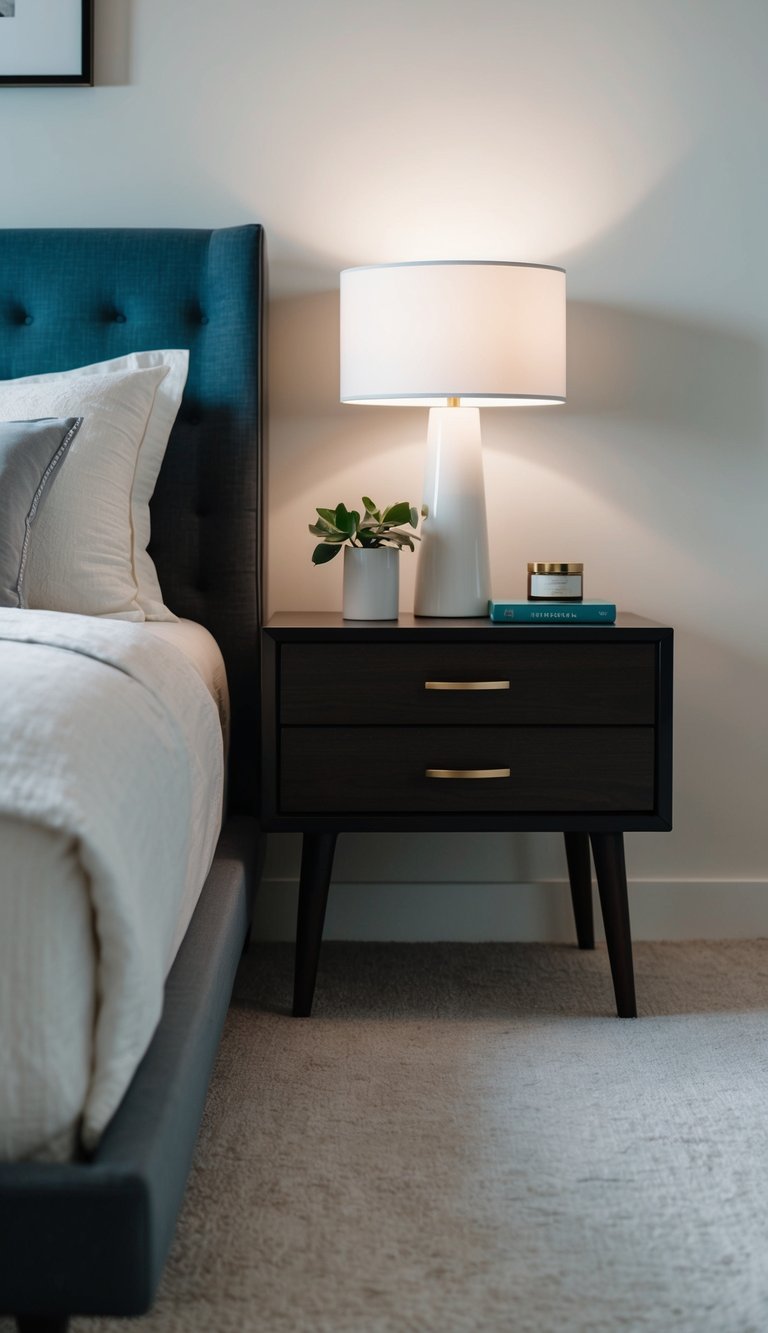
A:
<point x="580" y="875"/>
<point x="608" y="851"/>
<point x="316" y="866"/>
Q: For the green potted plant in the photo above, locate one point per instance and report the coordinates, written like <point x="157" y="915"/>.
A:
<point x="372" y="541"/>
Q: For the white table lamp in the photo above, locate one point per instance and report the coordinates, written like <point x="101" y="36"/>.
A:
<point x="453" y="336"/>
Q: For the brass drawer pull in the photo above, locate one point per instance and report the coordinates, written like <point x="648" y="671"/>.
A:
<point x="466" y="684"/>
<point x="467" y="773"/>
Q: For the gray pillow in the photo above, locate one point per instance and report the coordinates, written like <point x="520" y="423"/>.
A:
<point x="30" y="455"/>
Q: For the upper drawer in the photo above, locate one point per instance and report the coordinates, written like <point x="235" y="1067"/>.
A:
<point x="377" y="683"/>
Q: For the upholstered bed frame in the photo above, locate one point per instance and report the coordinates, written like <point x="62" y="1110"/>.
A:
<point x="92" y="1238"/>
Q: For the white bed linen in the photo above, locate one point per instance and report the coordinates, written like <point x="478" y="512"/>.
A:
<point x="202" y="651"/>
<point x="111" y="783"/>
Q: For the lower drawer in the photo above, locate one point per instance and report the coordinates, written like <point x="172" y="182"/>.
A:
<point x="325" y="770"/>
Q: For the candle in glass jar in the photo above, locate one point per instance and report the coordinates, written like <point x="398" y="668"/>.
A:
<point x="555" y="582"/>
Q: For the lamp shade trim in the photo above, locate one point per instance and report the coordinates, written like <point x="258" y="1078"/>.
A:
<point x="468" y="399"/>
<point x="452" y="263"/>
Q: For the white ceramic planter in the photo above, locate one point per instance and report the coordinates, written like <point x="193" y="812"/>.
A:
<point x="371" y="582"/>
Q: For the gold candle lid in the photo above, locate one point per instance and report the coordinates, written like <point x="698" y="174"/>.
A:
<point x="540" y="568"/>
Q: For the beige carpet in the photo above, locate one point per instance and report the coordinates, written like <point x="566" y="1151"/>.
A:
<point x="463" y="1137"/>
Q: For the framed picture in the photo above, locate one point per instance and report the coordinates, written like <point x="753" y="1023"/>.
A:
<point x="46" y="41"/>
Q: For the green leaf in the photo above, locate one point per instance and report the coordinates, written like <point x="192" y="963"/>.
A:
<point x="329" y="515"/>
<point x="332" y="539"/>
<point x="414" y="517"/>
<point x="370" y="507"/>
<point x="400" y="539"/>
<point x="325" y="552"/>
<point x="323" y="529"/>
<point x="345" y="521"/>
<point x="397" y="513"/>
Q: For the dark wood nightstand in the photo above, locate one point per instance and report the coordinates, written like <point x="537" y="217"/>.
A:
<point x="461" y="725"/>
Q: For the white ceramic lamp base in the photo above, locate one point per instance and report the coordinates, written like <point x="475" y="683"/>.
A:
<point x="453" y="573"/>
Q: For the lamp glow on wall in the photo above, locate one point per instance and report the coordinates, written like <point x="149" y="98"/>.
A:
<point x="453" y="336"/>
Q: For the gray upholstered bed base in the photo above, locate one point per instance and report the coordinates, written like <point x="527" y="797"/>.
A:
<point x="92" y="1238"/>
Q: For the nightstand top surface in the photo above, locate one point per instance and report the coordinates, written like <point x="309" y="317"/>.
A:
<point x="284" y="624"/>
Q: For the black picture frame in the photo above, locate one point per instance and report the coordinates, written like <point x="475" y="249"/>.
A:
<point x="74" y="72"/>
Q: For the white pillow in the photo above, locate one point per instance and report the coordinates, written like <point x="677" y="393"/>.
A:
<point x="81" y="555"/>
<point x="151" y="453"/>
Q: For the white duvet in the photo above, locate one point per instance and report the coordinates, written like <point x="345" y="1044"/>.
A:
<point x="110" y="750"/>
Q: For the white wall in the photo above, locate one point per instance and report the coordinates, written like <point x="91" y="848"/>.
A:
<point x="624" y="139"/>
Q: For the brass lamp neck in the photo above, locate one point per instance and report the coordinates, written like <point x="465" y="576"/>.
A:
<point x="454" y="402"/>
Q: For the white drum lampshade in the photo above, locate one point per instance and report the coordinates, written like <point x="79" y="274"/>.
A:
<point x="453" y="336"/>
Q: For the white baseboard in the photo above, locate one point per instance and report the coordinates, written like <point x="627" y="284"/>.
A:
<point x="659" y="910"/>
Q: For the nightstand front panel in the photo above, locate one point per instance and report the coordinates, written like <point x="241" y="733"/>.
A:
<point x="529" y="683"/>
<point x="330" y="770"/>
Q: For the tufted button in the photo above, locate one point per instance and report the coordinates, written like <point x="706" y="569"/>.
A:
<point x="28" y="319"/>
<point x="118" y="318"/>
<point x="203" y="318"/>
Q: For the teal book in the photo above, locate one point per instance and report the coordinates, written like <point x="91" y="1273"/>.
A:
<point x="553" y="613"/>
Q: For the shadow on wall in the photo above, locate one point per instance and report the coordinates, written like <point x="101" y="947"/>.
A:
<point x="303" y="357"/>
<point x="665" y="420"/>
<point x="310" y="428"/>
<point x="666" y="372"/>
<point x="689" y="405"/>
<point x="721" y="749"/>
<point x="112" y="43"/>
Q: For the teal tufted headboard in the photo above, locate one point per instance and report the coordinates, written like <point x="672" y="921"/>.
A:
<point x="72" y="297"/>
